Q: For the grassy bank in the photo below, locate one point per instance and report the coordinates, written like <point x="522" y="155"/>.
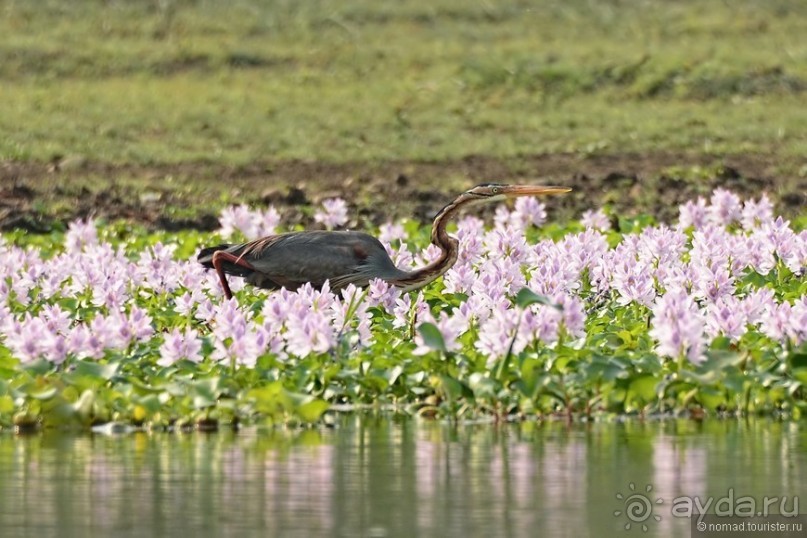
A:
<point x="168" y="82"/>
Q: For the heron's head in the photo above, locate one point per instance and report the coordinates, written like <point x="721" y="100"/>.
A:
<point x="496" y="192"/>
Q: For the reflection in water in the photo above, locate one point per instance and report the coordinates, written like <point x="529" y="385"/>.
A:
<point x="379" y="477"/>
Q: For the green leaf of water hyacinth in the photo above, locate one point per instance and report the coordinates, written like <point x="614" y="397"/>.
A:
<point x="798" y="359"/>
<point x="644" y="387"/>
<point x="800" y="374"/>
<point x="432" y="336"/>
<point x="312" y="411"/>
<point x="96" y="369"/>
<point x="454" y="389"/>
<point x="45" y="394"/>
<point x="205" y="392"/>
<point x="711" y="397"/>
<point x="526" y="297"/>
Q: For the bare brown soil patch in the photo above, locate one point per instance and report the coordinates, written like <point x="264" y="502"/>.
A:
<point x="38" y="196"/>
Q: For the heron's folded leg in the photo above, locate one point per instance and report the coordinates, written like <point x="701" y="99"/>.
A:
<point x="219" y="257"/>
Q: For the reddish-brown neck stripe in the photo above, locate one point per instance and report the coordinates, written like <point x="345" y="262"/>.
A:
<point x="448" y="245"/>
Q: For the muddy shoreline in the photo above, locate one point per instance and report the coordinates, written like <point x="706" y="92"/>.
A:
<point x="40" y="196"/>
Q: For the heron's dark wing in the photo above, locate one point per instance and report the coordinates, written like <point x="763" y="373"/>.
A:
<point x="290" y="260"/>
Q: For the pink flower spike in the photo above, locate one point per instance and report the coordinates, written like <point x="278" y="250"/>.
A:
<point x="389" y="233"/>
<point x="180" y="345"/>
<point x="80" y="235"/>
<point x="332" y="214"/>
<point x="799" y="320"/>
<point x="267" y="222"/>
<point x="757" y="213"/>
<point x="382" y="294"/>
<point x="777" y="323"/>
<point x="725" y="207"/>
<point x="634" y="282"/>
<point x="496" y="333"/>
<point x="240" y="219"/>
<point x="693" y="214"/>
<point x="727" y="317"/>
<point x="596" y="220"/>
<point x="529" y="211"/>
<point x="677" y="326"/>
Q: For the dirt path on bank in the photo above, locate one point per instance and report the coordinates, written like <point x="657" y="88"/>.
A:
<point x="37" y="196"/>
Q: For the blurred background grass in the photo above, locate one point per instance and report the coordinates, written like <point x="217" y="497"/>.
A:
<point x="149" y="82"/>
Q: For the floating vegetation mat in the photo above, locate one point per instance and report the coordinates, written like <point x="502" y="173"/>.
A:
<point x="608" y="316"/>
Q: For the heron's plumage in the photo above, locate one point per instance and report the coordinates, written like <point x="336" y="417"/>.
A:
<point x="292" y="259"/>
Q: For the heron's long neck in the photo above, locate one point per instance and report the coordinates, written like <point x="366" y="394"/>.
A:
<point x="449" y="248"/>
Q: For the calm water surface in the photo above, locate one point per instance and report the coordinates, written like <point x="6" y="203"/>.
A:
<point x="379" y="477"/>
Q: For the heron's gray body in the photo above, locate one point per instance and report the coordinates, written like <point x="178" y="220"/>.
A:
<point x="342" y="258"/>
<point x="292" y="259"/>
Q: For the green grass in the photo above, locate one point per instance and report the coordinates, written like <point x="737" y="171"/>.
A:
<point x="167" y="82"/>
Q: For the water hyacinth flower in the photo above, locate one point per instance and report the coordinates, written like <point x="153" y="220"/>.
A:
<point x="243" y="350"/>
<point x="309" y="332"/>
<point x="678" y="326"/>
<point x="661" y="245"/>
<point x="778" y="322"/>
<point x="56" y="320"/>
<point x="427" y="255"/>
<point x="498" y="333"/>
<point x="407" y="311"/>
<point x="332" y="214"/>
<point x="726" y="317"/>
<point x="390" y="232"/>
<point x="179" y="345"/>
<point x="381" y="293"/>
<point x="710" y="245"/>
<point x="460" y="278"/>
<point x="402" y="258"/>
<point x="725" y="207"/>
<point x="756" y="252"/>
<point x="757" y="303"/>
<point x="26" y="338"/>
<point x="755" y="213"/>
<point x="469" y="235"/>
<point x="712" y="281"/>
<point x="238" y="219"/>
<point x="528" y="211"/>
<point x="596" y="220"/>
<point x="235" y="340"/>
<point x="506" y="243"/>
<point x="110" y="294"/>
<point x="633" y="280"/>
<point x="187" y="302"/>
<point x="499" y="277"/>
<point x="553" y="274"/>
<point x="352" y="302"/>
<point x="268" y="222"/>
<point x="799" y="320"/>
<point x="80" y="235"/>
<point x="693" y="214"/>
<point x="573" y="314"/>
<point x="789" y="247"/>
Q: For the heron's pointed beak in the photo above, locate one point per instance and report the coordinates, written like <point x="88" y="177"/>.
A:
<point x="532" y="190"/>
